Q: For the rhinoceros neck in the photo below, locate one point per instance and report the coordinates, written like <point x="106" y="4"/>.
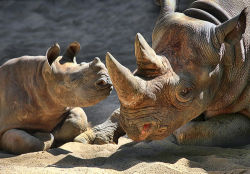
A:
<point x="49" y="86"/>
<point x="234" y="91"/>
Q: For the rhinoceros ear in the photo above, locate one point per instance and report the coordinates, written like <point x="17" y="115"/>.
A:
<point x="71" y="52"/>
<point x="52" y="53"/>
<point x="232" y="30"/>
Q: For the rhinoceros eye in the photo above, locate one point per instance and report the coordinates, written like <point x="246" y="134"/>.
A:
<point x="184" y="95"/>
<point x="185" y="92"/>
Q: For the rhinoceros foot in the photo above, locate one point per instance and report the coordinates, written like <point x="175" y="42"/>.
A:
<point x="18" y="141"/>
<point x="108" y="132"/>
<point x="74" y="124"/>
<point x="226" y="130"/>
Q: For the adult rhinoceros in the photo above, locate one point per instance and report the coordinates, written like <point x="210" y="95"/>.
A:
<point x="40" y="98"/>
<point x="193" y="83"/>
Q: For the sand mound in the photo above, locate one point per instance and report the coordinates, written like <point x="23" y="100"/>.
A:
<point x="129" y="157"/>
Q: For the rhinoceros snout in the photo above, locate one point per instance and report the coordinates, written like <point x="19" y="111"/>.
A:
<point x="103" y="83"/>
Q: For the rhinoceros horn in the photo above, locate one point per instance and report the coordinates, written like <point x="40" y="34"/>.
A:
<point x="149" y="64"/>
<point x="130" y="89"/>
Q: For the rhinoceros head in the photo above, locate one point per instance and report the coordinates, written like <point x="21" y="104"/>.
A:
<point x="177" y="78"/>
<point x="73" y="84"/>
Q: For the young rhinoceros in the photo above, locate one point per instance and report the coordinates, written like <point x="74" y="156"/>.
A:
<point x="38" y="94"/>
<point x="198" y="68"/>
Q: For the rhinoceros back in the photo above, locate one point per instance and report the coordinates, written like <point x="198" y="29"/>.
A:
<point x="23" y="95"/>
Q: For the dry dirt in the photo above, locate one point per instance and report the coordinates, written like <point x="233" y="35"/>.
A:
<point x="128" y="157"/>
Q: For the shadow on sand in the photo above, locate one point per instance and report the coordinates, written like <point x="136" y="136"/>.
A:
<point x="131" y="154"/>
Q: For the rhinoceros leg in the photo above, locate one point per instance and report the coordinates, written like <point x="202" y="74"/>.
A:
<point x="18" y="141"/>
<point x="75" y="123"/>
<point x="223" y="130"/>
<point x="108" y="132"/>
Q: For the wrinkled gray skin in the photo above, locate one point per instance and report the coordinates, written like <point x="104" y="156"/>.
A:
<point x="41" y="98"/>
<point x="193" y="84"/>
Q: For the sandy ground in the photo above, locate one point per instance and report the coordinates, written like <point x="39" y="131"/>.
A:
<point x="128" y="157"/>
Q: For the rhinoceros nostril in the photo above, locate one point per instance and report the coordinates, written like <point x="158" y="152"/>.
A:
<point x="101" y="82"/>
<point x="146" y="128"/>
